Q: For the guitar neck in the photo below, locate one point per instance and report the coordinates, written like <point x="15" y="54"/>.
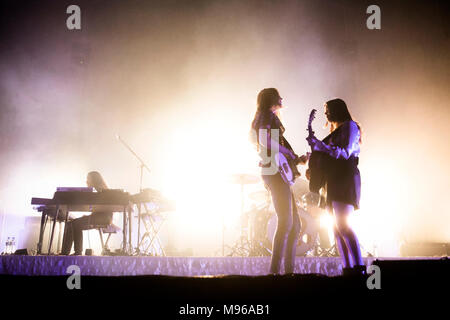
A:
<point x="311" y="118"/>
<point x="310" y="130"/>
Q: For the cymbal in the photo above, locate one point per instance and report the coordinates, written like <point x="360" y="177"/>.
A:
<point x="244" y="178"/>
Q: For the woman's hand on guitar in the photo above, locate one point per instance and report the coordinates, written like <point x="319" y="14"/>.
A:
<point x="312" y="141"/>
<point x="303" y="159"/>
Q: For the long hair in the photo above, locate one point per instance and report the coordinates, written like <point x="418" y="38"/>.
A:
<point x="267" y="98"/>
<point x="338" y="112"/>
<point x="95" y="179"/>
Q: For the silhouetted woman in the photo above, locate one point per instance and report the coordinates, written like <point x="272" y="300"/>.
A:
<point x="286" y="236"/>
<point x="343" y="182"/>
<point x="73" y="233"/>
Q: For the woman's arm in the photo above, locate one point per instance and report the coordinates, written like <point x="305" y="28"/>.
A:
<point x="350" y="137"/>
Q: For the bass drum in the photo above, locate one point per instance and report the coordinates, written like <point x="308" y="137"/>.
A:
<point x="308" y="233"/>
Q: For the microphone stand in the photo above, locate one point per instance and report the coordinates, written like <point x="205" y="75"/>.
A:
<point x="142" y="166"/>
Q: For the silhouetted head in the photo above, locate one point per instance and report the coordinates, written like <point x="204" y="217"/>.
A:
<point x="95" y="180"/>
<point x="268" y="98"/>
<point x="336" y="111"/>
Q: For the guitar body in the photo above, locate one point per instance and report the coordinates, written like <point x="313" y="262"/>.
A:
<point x="287" y="168"/>
<point x="317" y="163"/>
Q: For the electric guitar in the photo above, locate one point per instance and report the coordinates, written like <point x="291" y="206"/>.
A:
<point x="287" y="168"/>
<point x="317" y="162"/>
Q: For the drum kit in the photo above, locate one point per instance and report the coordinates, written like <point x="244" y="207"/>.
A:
<point x="258" y="224"/>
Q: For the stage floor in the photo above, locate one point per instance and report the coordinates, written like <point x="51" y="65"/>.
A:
<point x="170" y="266"/>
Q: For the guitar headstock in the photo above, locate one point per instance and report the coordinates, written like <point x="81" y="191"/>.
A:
<point x="312" y="116"/>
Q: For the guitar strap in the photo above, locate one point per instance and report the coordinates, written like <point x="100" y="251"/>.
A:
<point x="283" y="140"/>
<point x="275" y="123"/>
<point x="286" y="144"/>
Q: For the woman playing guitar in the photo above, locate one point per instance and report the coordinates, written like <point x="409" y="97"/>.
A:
<point x="269" y="140"/>
<point x="342" y="187"/>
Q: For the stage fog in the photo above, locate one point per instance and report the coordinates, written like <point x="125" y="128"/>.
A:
<point x="178" y="80"/>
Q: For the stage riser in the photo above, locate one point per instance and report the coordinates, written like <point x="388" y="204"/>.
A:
<point x="172" y="266"/>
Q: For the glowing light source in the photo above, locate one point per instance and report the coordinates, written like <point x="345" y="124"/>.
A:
<point x="327" y="222"/>
<point x="198" y="165"/>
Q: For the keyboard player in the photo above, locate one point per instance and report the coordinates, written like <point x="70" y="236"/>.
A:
<point x="73" y="233"/>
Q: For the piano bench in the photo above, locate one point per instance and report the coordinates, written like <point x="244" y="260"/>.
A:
<point x="109" y="229"/>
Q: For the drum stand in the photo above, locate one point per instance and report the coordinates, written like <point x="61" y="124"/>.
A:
<point x="249" y="245"/>
<point x="329" y="252"/>
<point x="320" y="251"/>
<point x="242" y="245"/>
<point x="249" y="248"/>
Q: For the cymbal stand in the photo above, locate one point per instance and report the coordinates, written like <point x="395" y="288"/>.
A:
<point x="259" y="245"/>
<point x="242" y="248"/>
<point x="248" y="244"/>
